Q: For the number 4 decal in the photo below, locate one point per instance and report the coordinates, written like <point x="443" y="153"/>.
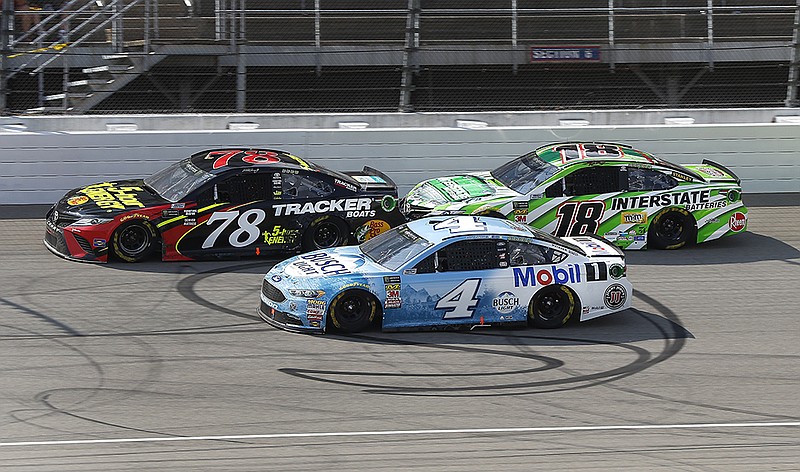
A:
<point x="576" y="218"/>
<point x="461" y="301"/>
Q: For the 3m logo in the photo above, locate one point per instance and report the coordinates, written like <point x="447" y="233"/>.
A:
<point x="737" y="222"/>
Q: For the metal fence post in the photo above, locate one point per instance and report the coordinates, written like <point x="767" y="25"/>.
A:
<point x="611" y="34"/>
<point x="412" y="43"/>
<point x="710" y="33"/>
<point x="317" y="37"/>
<point x="6" y="30"/>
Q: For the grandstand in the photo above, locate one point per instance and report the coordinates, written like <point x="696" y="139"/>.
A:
<point x="289" y="56"/>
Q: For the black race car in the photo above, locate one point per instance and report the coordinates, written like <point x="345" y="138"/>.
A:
<point x="223" y="203"/>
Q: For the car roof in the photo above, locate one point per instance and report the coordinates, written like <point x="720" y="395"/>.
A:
<point x="568" y="153"/>
<point x="224" y="159"/>
<point x="437" y="229"/>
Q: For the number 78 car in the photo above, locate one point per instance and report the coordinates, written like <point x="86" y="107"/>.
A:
<point x="630" y="197"/>
<point x="448" y="273"/>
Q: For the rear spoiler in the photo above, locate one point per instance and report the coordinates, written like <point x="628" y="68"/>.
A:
<point x="373" y="171"/>
<point x="605" y="242"/>
<point x="722" y="167"/>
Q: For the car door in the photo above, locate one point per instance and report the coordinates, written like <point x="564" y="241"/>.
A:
<point x="452" y="286"/>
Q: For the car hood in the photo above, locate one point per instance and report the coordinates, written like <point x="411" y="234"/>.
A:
<point x="324" y="267"/>
<point x="463" y="188"/>
<point x="109" y="199"/>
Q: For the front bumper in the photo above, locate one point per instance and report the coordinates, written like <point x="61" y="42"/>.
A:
<point x="83" y="247"/>
<point x="286" y="321"/>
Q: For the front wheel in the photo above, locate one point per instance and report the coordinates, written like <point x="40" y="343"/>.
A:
<point x="134" y="242"/>
<point x="353" y="311"/>
<point x="551" y="307"/>
<point x="671" y="229"/>
<point x="325" y="233"/>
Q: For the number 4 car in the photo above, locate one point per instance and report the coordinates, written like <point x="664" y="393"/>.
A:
<point x="223" y="203"/>
<point x="448" y="273"/>
<point x="629" y="197"/>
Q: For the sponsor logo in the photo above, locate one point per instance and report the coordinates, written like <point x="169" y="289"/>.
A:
<point x="505" y="302"/>
<point x="280" y="235"/>
<point x="178" y="205"/>
<point x="315" y="309"/>
<point x="639" y="238"/>
<point x="531" y="276"/>
<point x="276" y="278"/>
<point x="666" y="199"/>
<point x="634" y="217"/>
<point x="393" y="299"/>
<point x="370" y="229"/>
<point x="132" y="216"/>
<point x="706" y="205"/>
<point x="190" y="222"/>
<point x="617" y="271"/>
<point x="388" y="203"/>
<point x="711" y="171"/>
<point x="391" y="279"/>
<point x="737" y="222"/>
<point x="520" y="206"/>
<point x="106" y="195"/>
<point x="321" y="262"/>
<point x="355" y="207"/>
<point x="79" y="200"/>
<point x="170" y="213"/>
<point x="349" y="186"/>
<point x="98" y="242"/>
<point x="615" y="296"/>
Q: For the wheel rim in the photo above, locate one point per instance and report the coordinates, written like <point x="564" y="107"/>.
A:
<point x="134" y="240"/>
<point x="551" y="306"/>
<point x="671" y="229"/>
<point x="353" y="308"/>
<point x="326" y="235"/>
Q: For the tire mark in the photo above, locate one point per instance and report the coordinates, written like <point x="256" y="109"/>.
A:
<point x="47" y="319"/>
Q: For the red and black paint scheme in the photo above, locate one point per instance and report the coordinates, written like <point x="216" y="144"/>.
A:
<point x="223" y="203"/>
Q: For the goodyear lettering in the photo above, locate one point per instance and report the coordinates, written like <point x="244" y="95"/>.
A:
<point x="323" y="206"/>
<point x="531" y="276"/>
<point x="320" y="262"/>
<point x="644" y="201"/>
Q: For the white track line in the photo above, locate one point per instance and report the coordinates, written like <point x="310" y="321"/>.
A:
<point x="563" y="429"/>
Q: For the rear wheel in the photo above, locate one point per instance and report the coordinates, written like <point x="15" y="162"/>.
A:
<point x="324" y="233"/>
<point x="671" y="229"/>
<point x="551" y="307"/>
<point x="353" y="311"/>
<point x="134" y="241"/>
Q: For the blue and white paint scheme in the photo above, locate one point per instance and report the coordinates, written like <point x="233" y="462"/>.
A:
<point x="448" y="272"/>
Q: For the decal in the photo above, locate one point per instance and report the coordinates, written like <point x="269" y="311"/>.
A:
<point x="639" y="238"/>
<point x="585" y="310"/>
<point x="460" y="225"/>
<point x="665" y="199"/>
<point x="633" y="217"/>
<point x="706" y="205"/>
<point x="680" y="176"/>
<point x="520" y="205"/>
<point x="190" y="222"/>
<point x="617" y="271"/>
<point x="248" y="227"/>
<point x="370" y="229"/>
<point x="737" y="222"/>
<point x="106" y="195"/>
<point x="461" y="301"/>
<point x="178" y="205"/>
<point x="170" y="213"/>
<point x="615" y="296"/>
<point x="222" y="158"/>
<point x="327" y="265"/>
<point x="530" y="276"/>
<point x="576" y="218"/>
<point x="345" y="185"/>
<point x="596" y="271"/>
<point x="393" y="299"/>
<point x="192" y="212"/>
<point x="368" y="179"/>
<point x="132" y="216"/>
<point x="409" y="271"/>
<point x="391" y="279"/>
<point x="99" y="242"/>
<point x="520" y="211"/>
<point x="79" y="200"/>
<point x="572" y="152"/>
<point x="281" y="235"/>
<point x="711" y="171"/>
<point x="315" y="309"/>
<point x="350" y="205"/>
<point x="505" y="302"/>
<point x="276" y="278"/>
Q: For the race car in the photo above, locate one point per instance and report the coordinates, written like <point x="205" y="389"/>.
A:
<point x="629" y="197"/>
<point x="223" y="203"/>
<point x="448" y="273"/>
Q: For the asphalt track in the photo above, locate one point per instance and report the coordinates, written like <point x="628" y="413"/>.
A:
<point x="164" y="366"/>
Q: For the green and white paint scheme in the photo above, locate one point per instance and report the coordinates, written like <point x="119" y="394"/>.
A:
<point x="630" y="197"/>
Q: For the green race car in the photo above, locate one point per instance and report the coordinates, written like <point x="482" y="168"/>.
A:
<point x="629" y="197"/>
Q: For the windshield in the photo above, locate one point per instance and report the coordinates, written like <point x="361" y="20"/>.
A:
<point x="176" y="181"/>
<point x="394" y="248"/>
<point x="524" y="173"/>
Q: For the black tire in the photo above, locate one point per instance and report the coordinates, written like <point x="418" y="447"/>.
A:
<point x="134" y="241"/>
<point x="353" y="311"/>
<point x="551" y="307"/>
<point x="671" y="229"/>
<point x="324" y="233"/>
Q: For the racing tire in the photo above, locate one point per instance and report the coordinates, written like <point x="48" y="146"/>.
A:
<point x="134" y="241"/>
<point x="671" y="229"/>
<point x="324" y="233"/>
<point x="551" y="307"/>
<point x="353" y="311"/>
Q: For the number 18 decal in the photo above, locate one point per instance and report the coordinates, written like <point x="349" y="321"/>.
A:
<point x="461" y="301"/>
<point x="576" y="218"/>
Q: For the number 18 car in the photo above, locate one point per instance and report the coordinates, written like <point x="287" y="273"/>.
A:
<point x="448" y="273"/>
<point x="223" y="203"/>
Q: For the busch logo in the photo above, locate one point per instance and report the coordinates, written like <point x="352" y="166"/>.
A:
<point x="505" y="302"/>
<point x="737" y="222"/>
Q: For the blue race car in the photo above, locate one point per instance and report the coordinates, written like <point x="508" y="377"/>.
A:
<point x="448" y="273"/>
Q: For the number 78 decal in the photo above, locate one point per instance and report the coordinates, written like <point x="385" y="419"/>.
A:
<point x="576" y="218"/>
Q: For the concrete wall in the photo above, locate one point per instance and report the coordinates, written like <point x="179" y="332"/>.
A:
<point x="40" y="166"/>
